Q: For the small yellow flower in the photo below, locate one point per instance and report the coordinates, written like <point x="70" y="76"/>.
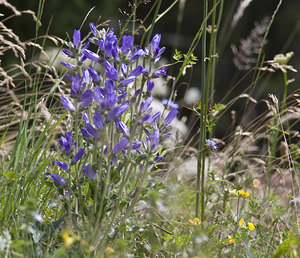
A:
<point x="68" y="237"/>
<point x="230" y="239"/>
<point x="255" y="183"/>
<point x="109" y="250"/>
<point x="251" y="227"/>
<point x="239" y="193"/>
<point x="193" y="222"/>
<point x="241" y="222"/>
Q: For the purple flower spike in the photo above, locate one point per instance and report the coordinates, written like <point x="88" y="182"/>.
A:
<point x="98" y="120"/>
<point x="172" y="114"/>
<point x="111" y="72"/>
<point x="67" y="104"/>
<point x="120" y="146"/>
<point x="78" y="156"/>
<point x="76" y="38"/>
<point x="150" y="86"/>
<point x="89" y="171"/>
<point x="63" y="165"/>
<point x="127" y="42"/>
<point x="91" y="55"/>
<point x="154" y="139"/>
<point x="58" y="179"/>
<point x="122" y="126"/>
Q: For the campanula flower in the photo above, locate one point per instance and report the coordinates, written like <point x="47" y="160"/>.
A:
<point x="211" y="144"/>
<point x="76" y="38"/>
<point x="78" y="156"/>
<point x="89" y="171"/>
<point x="93" y="29"/>
<point x="122" y="126"/>
<point x="66" y="142"/>
<point x="169" y="103"/>
<point x="58" y="179"/>
<point x="68" y="65"/>
<point x="98" y="120"/>
<point x="170" y="117"/>
<point x="63" y="165"/>
<point x="150" y="86"/>
<point x="120" y="146"/>
<point x="86" y="98"/>
<point x="95" y="76"/>
<point x="127" y="42"/>
<point x="111" y="72"/>
<point x="67" y="104"/>
<point x="154" y="139"/>
<point x="162" y="71"/>
<point x="91" y="55"/>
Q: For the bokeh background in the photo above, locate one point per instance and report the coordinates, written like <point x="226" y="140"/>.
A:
<point x="178" y="28"/>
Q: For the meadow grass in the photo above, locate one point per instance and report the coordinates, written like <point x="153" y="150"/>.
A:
<point x="87" y="169"/>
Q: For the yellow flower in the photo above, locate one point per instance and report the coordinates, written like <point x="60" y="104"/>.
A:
<point x="193" y="222"/>
<point x="241" y="222"/>
<point x="109" y="250"/>
<point x="68" y="237"/>
<point x="255" y="183"/>
<point x="230" y="239"/>
<point x="239" y="193"/>
<point x="251" y="227"/>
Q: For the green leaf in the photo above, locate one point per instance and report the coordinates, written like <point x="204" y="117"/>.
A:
<point x="287" y="245"/>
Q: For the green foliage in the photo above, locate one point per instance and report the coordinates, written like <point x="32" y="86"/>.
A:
<point x="40" y="218"/>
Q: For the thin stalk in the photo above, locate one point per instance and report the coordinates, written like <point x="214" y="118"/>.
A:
<point x="203" y="121"/>
<point x="201" y="143"/>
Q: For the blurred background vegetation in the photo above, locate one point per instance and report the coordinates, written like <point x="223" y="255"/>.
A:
<point x="178" y="28"/>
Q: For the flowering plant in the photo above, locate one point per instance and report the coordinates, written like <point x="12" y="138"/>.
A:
<point x="115" y="139"/>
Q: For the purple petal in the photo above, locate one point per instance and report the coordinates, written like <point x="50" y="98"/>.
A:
<point x="98" y="120"/>
<point x="76" y="38"/>
<point x="63" y="165"/>
<point x="154" y="139"/>
<point x="172" y="114"/>
<point x="67" y="104"/>
<point x="93" y="29"/>
<point x="120" y="146"/>
<point x="127" y="42"/>
<point x="58" y="179"/>
<point x="68" y="65"/>
<point x="91" y="55"/>
<point x="122" y="126"/>
<point x="150" y="86"/>
<point x="89" y="171"/>
<point x="78" y="156"/>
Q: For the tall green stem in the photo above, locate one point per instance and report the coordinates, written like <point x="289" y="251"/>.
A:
<point x="200" y="194"/>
